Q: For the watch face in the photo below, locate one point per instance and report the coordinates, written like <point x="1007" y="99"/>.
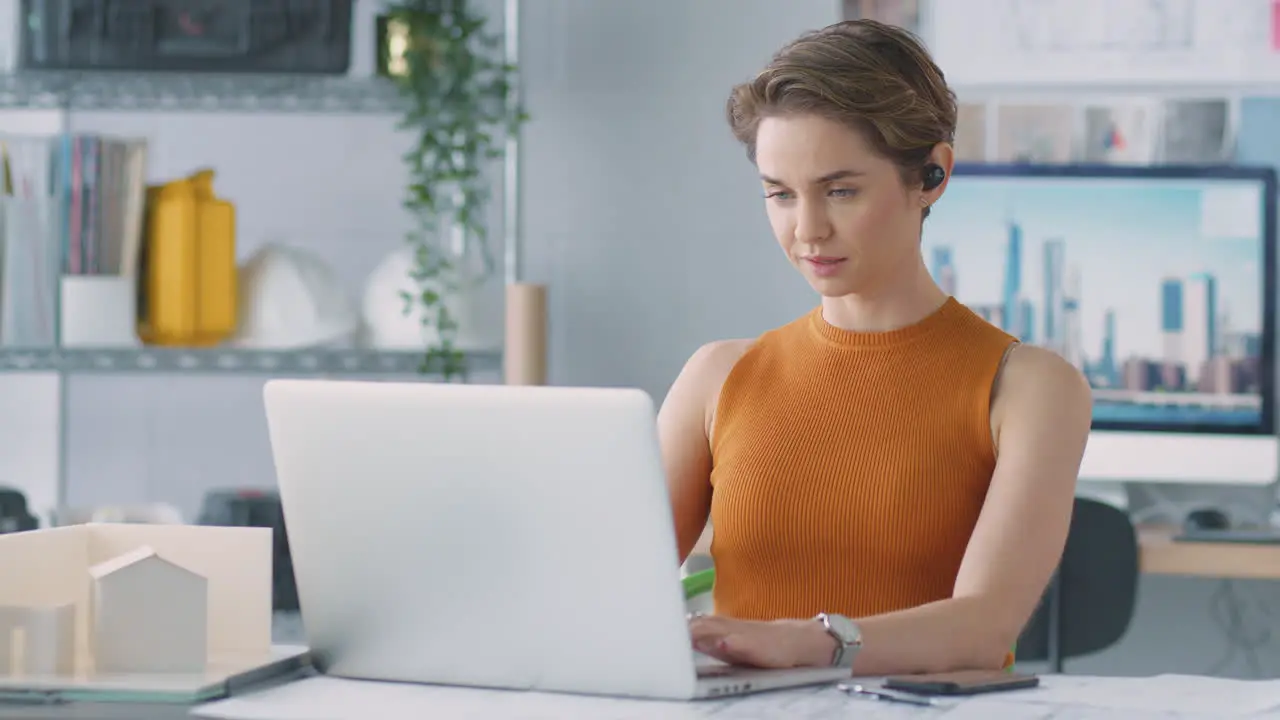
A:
<point x="845" y="629"/>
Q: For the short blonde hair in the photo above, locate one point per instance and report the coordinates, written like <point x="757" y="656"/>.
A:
<point x="875" y="78"/>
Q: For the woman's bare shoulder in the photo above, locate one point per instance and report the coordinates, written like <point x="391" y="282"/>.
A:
<point x="707" y="370"/>
<point x="1031" y="371"/>
<point x="713" y="361"/>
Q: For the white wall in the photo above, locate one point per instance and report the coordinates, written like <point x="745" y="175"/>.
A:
<point x="640" y="209"/>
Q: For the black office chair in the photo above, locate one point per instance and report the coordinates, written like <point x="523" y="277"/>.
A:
<point x="1090" y="601"/>
<point x="14" y="515"/>
<point x="257" y="508"/>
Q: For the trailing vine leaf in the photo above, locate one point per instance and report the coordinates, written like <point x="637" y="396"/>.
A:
<point x="457" y="87"/>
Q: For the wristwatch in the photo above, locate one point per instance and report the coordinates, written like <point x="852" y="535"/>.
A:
<point x="847" y="636"/>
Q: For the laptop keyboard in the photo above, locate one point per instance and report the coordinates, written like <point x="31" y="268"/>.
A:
<point x="709" y="667"/>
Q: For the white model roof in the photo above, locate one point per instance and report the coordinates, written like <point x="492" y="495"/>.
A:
<point x="128" y="559"/>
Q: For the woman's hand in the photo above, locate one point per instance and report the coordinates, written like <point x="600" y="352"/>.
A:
<point x="764" y="644"/>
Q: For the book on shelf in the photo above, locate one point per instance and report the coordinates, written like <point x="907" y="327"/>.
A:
<point x="99" y="185"/>
<point x="70" y="204"/>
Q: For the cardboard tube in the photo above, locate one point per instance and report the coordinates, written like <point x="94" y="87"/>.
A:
<point x="524" y="354"/>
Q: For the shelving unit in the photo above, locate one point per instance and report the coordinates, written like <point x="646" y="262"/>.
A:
<point x="68" y="93"/>
<point x="71" y="92"/>
<point x="137" y="92"/>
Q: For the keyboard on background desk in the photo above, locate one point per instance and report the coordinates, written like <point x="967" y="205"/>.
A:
<point x="1245" y="536"/>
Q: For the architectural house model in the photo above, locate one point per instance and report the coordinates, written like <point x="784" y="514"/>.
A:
<point x="37" y="640"/>
<point x="105" y="602"/>
<point x="148" y="615"/>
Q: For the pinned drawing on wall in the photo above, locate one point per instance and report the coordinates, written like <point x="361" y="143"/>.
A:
<point x="1123" y="131"/>
<point x="1196" y="132"/>
<point x="1092" y="43"/>
<point x="902" y="13"/>
<point x="1122" y="134"/>
<point x="971" y="133"/>
<point x="1035" y="133"/>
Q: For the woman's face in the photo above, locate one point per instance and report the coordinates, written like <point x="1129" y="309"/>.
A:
<point x="840" y="211"/>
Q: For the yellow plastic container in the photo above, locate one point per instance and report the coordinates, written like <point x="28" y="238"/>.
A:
<point x="189" y="281"/>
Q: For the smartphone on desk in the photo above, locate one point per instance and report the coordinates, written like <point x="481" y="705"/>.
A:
<point x="964" y="682"/>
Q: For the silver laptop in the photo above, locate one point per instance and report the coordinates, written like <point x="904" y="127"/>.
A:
<point x="490" y="536"/>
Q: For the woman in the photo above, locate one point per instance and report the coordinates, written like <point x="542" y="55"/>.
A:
<point x="890" y="477"/>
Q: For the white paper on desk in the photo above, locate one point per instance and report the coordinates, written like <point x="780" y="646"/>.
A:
<point x="1175" y="695"/>
<point x="1061" y="698"/>
<point x="328" y="698"/>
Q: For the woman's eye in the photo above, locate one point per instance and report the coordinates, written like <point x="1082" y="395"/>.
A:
<point x="778" y="195"/>
<point x="842" y="192"/>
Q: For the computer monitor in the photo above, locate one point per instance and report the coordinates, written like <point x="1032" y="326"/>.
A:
<point x="1158" y="283"/>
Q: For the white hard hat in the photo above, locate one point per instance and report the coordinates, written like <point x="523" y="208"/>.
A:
<point x="290" y="298"/>
<point x="387" y="326"/>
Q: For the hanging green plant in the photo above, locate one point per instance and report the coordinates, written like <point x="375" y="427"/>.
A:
<point x="457" y="86"/>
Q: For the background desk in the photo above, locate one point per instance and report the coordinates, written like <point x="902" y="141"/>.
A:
<point x="1161" y="555"/>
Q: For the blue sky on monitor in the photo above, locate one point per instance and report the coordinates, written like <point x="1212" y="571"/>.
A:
<point x="1125" y="236"/>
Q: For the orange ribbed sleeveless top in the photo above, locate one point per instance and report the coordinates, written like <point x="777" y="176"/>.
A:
<point x="849" y="468"/>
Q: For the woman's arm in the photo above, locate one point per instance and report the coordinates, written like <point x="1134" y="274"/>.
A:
<point x="684" y="431"/>
<point x="1042" y="412"/>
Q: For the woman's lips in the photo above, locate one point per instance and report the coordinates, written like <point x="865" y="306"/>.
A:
<point x="824" y="266"/>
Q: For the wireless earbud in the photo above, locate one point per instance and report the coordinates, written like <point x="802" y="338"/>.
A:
<point x="933" y="176"/>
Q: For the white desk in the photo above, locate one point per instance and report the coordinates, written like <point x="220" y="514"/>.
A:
<point x="1060" y="698"/>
